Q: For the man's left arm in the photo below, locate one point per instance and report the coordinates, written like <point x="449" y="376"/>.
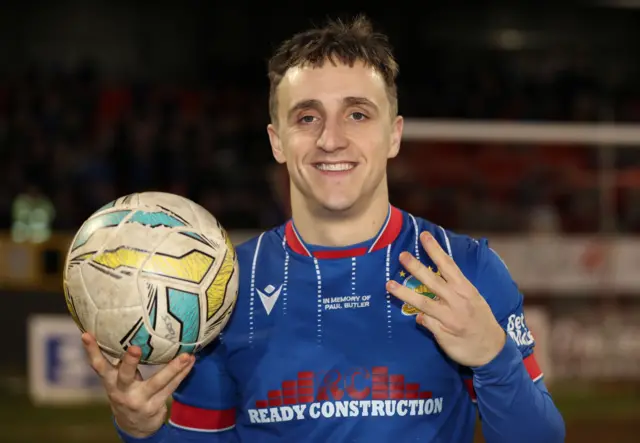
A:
<point x="513" y="401"/>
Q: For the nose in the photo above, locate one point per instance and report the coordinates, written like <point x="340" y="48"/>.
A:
<point x="333" y="137"/>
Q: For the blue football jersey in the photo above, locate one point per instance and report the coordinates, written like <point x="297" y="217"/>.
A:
<point x="317" y="350"/>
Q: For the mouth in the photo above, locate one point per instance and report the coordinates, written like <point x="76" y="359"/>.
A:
<point x="340" y="167"/>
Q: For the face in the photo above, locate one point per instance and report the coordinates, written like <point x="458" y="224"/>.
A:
<point x="335" y="132"/>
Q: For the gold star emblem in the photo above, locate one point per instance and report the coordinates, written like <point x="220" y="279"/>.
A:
<point x="403" y="274"/>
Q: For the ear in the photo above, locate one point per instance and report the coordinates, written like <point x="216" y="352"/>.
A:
<point x="276" y="145"/>
<point x="396" y="136"/>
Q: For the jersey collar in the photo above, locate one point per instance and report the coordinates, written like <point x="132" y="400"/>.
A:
<point x="387" y="235"/>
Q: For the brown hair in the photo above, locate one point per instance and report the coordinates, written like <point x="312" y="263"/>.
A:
<point x="337" y="41"/>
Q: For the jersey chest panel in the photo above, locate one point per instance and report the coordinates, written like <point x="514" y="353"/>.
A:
<point x="333" y="334"/>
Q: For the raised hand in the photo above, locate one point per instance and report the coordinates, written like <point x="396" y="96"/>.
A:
<point x="459" y="318"/>
<point x="139" y="406"/>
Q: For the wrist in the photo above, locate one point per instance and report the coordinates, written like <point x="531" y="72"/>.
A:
<point x="501" y="365"/>
<point x="130" y="435"/>
<point x="494" y="346"/>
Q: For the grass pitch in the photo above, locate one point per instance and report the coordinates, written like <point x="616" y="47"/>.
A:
<point x="593" y="414"/>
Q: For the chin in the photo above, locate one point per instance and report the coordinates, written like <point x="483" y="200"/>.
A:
<point x="337" y="204"/>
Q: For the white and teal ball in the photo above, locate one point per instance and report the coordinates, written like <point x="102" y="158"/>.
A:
<point x="154" y="270"/>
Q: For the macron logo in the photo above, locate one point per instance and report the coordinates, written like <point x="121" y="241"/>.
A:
<point x="269" y="297"/>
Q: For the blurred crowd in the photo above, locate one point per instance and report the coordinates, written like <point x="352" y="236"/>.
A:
<point x="77" y="141"/>
<point x="528" y="85"/>
<point x="82" y="143"/>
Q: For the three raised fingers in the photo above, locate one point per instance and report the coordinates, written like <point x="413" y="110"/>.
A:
<point x="173" y="384"/>
<point x="171" y="372"/>
<point x="447" y="267"/>
<point x="424" y="304"/>
<point x="97" y="361"/>
<point x="424" y="275"/>
<point x="128" y="367"/>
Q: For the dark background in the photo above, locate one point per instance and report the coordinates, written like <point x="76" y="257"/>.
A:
<point x="99" y="99"/>
<point x="103" y="98"/>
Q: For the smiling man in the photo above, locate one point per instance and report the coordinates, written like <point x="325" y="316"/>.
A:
<point x="356" y="321"/>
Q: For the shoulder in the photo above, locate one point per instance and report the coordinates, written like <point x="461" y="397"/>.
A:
<point x="480" y="264"/>
<point x="468" y="252"/>
<point x="262" y="243"/>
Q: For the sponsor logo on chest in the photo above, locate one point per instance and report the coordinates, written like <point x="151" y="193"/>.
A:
<point x="358" y="393"/>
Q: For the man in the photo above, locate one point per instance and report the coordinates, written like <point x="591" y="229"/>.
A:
<point x="355" y="322"/>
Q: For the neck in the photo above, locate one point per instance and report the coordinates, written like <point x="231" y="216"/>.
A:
<point x="320" y="227"/>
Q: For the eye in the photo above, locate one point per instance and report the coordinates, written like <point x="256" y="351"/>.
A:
<point x="358" y="116"/>
<point x="307" y="119"/>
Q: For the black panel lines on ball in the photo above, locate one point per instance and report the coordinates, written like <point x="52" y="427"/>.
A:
<point x="82" y="257"/>
<point x="181" y="272"/>
<point x="128" y="248"/>
<point x="71" y="306"/>
<point x="97" y="224"/>
<point x="220" y="319"/>
<point x="197" y="237"/>
<point x="127" y="198"/>
<point x="153" y="294"/>
<point x="177" y="257"/>
<point x="104" y="271"/>
<point x="226" y="288"/>
<point x="140" y="336"/>
<point x="130" y="333"/>
<point x="171" y="333"/>
<point x="186" y="223"/>
<point x="152" y="309"/>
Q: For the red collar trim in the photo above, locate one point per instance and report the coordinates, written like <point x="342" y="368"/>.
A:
<point x="388" y="234"/>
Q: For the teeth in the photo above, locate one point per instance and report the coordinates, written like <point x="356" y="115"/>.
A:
<point x="334" y="166"/>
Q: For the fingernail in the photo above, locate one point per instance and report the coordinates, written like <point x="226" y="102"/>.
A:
<point x="184" y="359"/>
<point x="426" y="236"/>
<point x="405" y="257"/>
<point x="85" y="339"/>
<point x="392" y="284"/>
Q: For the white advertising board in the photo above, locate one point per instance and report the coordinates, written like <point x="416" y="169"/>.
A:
<point x="59" y="371"/>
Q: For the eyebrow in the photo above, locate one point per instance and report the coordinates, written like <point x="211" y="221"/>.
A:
<point x="317" y="105"/>
<point x="362" y="101"/>
<point x="304" y="104"/>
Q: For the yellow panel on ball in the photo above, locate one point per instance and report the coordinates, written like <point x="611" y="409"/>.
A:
<point x="191" y="267"/>
<point x="218" y="288"/>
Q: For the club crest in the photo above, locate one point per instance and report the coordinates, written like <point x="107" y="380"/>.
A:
<point x="413" y="283"/>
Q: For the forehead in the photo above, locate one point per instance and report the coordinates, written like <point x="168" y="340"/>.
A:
<point x="331" y="83"/>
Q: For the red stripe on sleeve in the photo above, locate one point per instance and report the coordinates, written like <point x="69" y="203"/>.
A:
<point x="186" y="416"/>
<point x="532" y="367"/>
<point x="472" y="392"/>
<point x="530" y="364"/>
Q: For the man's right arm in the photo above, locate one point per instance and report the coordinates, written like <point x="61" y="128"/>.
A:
<point x="204" y="405"/>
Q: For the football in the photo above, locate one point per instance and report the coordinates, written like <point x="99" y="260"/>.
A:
<point x="153" y="270"/>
